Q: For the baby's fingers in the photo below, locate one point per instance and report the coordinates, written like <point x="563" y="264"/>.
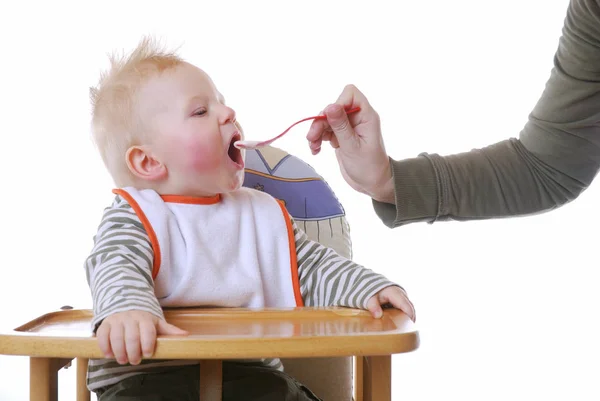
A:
<point x="117" y="343"/>
<point x="103" y="337"/>
<point x="148" y="337"/>
<point x="133" y="342"/>
<point x="399" y="300"/>
<point x="164" y="328"/>
<point x="374" y="307"/>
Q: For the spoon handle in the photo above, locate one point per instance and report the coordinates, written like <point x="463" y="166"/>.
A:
<point x="255" y="144"/>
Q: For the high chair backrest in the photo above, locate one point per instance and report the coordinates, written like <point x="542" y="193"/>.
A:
<point x="317" y="211"/>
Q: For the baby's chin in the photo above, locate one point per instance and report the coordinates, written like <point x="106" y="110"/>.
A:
<point x="236" y="182"/>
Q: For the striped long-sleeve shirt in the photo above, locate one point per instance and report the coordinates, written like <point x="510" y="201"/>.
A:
<point x="119" y="272"/>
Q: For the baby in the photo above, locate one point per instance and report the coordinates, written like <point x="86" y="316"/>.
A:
<point x="182" y="231"/>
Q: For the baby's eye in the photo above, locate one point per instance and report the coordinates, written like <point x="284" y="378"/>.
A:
<point x="199" y="112"/>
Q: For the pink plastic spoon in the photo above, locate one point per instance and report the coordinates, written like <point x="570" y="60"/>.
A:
<point x="260" y="144"/>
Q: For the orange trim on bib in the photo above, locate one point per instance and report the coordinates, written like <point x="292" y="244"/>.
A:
<point x="153" y="240"/>
<point x="293" y="255"/>
<point x="192" y="200"/>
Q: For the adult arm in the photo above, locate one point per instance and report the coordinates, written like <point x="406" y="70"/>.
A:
<point x="554" y="160"/>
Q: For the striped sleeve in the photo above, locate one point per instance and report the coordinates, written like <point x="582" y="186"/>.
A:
<point x="119" y="268"/>
<point x="328" y="279"/>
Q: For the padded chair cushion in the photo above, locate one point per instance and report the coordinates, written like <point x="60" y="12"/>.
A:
<point x="317" y="211"/>
<point x="307" y="197"/>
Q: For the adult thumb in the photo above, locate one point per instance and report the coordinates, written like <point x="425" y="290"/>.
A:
<point x="339" y="123"/>
<point x="168" y="329"/>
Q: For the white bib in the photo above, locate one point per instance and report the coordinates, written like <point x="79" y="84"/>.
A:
<point x="233" y="250"/>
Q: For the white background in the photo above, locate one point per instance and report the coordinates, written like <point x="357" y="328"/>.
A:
<point x="507" y="309"/>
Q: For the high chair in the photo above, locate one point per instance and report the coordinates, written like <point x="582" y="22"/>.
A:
<point x="316" y="345"/>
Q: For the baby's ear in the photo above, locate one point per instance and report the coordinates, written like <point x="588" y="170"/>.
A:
<point x="144" y="165"/>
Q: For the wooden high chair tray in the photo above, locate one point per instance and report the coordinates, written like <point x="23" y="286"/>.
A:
<point x="229" y="333"/>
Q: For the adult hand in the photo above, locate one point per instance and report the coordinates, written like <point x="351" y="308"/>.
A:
<point x="358" y="144"/>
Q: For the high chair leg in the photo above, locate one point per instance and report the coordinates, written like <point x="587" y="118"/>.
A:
<point x="83" y="394"/>
<point x="211" y="380"/>
<point x="43" y="379"/>
<point x="358" y="378"/>
<point x="377" y="378"/>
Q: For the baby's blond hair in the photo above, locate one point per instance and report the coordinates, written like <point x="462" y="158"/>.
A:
<point x="116" y="125"/>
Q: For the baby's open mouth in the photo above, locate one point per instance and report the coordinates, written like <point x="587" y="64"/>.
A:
<point x="234" y="153"/>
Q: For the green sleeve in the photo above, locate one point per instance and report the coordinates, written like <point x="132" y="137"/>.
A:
<point x="555" y="158"/>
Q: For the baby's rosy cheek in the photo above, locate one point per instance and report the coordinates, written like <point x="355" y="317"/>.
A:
<point x="202" y="158"/>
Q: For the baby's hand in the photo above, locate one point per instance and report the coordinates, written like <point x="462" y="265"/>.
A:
<point x="127" y="335"/>
<point x="395" y="296"/>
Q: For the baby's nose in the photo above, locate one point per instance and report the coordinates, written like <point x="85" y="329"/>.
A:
<point x="227" y="115"/>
